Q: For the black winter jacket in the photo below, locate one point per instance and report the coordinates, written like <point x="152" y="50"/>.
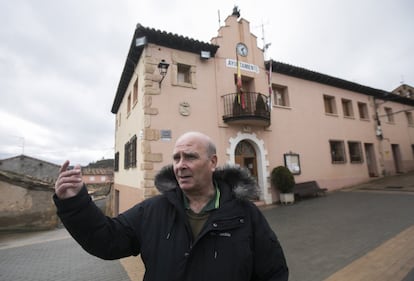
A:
<point x="236" y="242"/>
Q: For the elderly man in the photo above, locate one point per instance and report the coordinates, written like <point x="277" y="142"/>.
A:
<point x="202" y="226"/>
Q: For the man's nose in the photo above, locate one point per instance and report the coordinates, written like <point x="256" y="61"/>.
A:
<point x="179" y="163"/>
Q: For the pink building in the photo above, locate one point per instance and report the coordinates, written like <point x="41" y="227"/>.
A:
<point x="97" y="175"/>
<point x="323" y="128"/>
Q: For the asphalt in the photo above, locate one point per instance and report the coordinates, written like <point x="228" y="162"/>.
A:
<point x="364" y="232"/>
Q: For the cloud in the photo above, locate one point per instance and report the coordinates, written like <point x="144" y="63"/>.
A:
<point x="61" y="61"/>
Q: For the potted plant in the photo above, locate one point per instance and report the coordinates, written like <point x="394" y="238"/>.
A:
<point x="282" y="180"/>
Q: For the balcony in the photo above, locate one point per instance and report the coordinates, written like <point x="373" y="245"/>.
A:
<point x="247" y="108"/>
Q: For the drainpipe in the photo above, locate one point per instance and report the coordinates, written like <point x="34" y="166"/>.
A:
<point x="380" y="137"/>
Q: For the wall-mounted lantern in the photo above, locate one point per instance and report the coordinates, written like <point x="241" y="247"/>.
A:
<point x="163" y="68"/>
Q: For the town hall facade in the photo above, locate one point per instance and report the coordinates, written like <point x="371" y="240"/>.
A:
<point x="323" y="128"/>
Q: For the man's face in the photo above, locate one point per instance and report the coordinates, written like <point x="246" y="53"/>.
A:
<point x="193" y="168"/>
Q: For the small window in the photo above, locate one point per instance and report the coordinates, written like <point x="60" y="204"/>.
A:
<point x="330" y="104"/>
<point x="91" y="178"/>
<point x="183" y="74"/>
<point x="103" y="178"/>
<point x="135" y="93"/>
<point x="389" y="114"/>
<point x="126" y="155"/>
<point x="133" y="152"/>
<point x="280" y="95"/>
<point x="337" y="152"/>
<point x="119" y="118"/>
<point x="130" y="153"/>
<point x="363" y="111"/>
<point x="355" y="152"/>
<point x="409" y="116"/>
<point x="129" y="104"/>
<point x="347" y="109"/>
<point x="116" y="162"/>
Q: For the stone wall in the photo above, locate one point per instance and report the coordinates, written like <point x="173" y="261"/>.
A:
<point x="26" y="204"/>
<point x="29" y="166"/>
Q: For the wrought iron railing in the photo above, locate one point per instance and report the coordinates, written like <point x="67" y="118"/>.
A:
<point x="248" y="106"/>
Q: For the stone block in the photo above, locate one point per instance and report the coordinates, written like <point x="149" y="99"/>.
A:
<point x="145" y="147"/>
<point x="151" y="111"/>
<point x="147" y="121"/>
<point x="150" y="175"/>
<point x="147" y="166"/>
<point x="151" y="134"/>
<point x="152" y="157"/>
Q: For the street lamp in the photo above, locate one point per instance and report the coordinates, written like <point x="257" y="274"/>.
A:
<point x="163" y="68"/>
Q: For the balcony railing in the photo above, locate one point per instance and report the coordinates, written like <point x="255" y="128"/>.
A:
<point x="248" y="108"/>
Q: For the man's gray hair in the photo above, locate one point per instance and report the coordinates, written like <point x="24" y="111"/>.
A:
<point x="211" y="148"/>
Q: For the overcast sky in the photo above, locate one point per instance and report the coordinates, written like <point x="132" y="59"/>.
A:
<point x="60" y="61"/>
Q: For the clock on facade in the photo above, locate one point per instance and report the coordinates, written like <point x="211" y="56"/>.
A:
<point x="241" y="49"/>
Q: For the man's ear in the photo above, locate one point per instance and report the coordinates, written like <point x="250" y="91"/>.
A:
<point x="213" y="160"/>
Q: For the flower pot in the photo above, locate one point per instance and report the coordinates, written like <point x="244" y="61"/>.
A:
<point x="287" y="198"/>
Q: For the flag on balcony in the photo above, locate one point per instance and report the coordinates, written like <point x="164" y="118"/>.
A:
<point x="240" y="95"/>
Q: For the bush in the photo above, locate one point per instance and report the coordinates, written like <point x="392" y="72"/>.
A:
<point x="282" y="179"/>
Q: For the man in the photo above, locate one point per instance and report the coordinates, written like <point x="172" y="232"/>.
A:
<point x="201" y="227"/>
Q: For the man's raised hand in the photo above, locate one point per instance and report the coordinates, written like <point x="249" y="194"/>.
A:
<point x="69" y="182"/>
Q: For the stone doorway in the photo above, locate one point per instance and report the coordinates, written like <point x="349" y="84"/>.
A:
<point x="245" y="156"/>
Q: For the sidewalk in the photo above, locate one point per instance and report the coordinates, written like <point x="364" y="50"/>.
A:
<point x="19" y="239"/>
<point x="398" y="183"/>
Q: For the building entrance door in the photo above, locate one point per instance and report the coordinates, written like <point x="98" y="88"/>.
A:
<point x="371" y="160"/>
<point x="396" y="155"/>
<point x="245" y="156"/>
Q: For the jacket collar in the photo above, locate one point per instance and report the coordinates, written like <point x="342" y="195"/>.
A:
<point x="236" y="181"/>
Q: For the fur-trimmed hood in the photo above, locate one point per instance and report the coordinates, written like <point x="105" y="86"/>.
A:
<point x="242" y="184"/>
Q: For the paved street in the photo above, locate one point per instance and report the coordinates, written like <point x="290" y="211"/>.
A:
<point x="361" y="233"/>
<point x="323" y="235"/>
<point x="56" y="260"/>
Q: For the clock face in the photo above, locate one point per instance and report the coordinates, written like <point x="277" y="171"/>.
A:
<point x="241" y="49"/>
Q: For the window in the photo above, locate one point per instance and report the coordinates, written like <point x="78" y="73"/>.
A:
<point x="91" y="178"/>
<point x="183" y="73"/>
<point x="337" y="151"/>
<point x="363" y="111"/>
<point x="116" y="162"/>
<point x="280" y="95"/>
<point x="409" y="116"/>
<point x="355" y="152"/>
<point x="133" y="152"/>
<point x="347" y="108"/>
<point x="330" y="104"/>
<point x="390" y="115"/>
<point x="129" y="103"/>
<point x="126" y="156"/>
<point x="412" y="148"/>
<point x="130" y="159"/>
<point x="135" y="93"/>
<point x="119" y="119"/>
<point x="103" y="178"/>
